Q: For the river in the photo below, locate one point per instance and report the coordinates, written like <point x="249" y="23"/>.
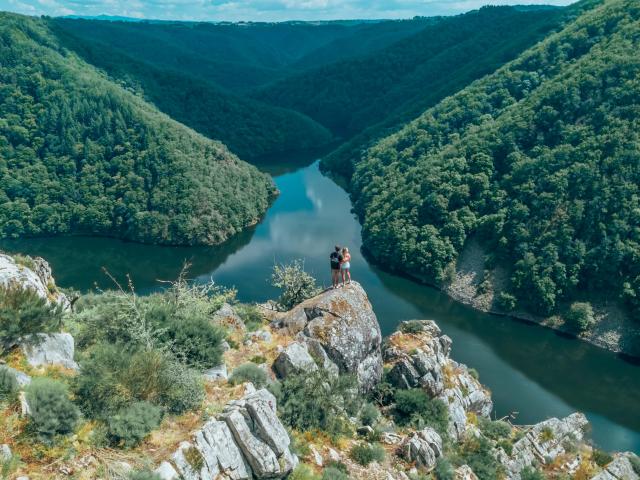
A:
<point x="531" y="371"/>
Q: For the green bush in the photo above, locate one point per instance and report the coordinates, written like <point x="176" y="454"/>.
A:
<point x="249" y="372"/>
<point x="24" y="313"/>
<point x="495" y="430"/>
<point x="8" y="385"/>
<point x="251" y="316"/>
<point x="303" y="472"/>
<point x="411" y="326"/>
<point x="315" y="400"/>
<point x="196" y="340"/>
<point x="52" y="412"/>
<point x="478" y="454"/>
<point x="474" y="374"/>
<point x="444" y="470"/>
<point x="414" y="407"/>
<point x="506" y="302"/>
<point x="601" y="457"/>
<point x="144" y="475"/>
<point x="530" y="473"/>
<point x="332" y="473"/>
<point x="635" y="463"/>
<point x="580" y="316"/>
<point x="369" y="414"/>
<point x="112" y="378"/>
<point x="131" y="425"/>
<point x="295" y="284"/>
<point x="364" y="453"/>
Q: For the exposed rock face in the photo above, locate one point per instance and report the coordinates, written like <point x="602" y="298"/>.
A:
<point x="293" y="359"/>
<point x="543" y="442"/>
<point x="36" y="277"/>
<point x="216" y="373"/>
<point x="423" y="448"/>
<point x="345" y="326"/>
<point x="22" y="378"/>
<point x="619" y="469"/>
<point x="50" y="349"/>
<point x="464" y="472"/>
<point x="247" y="441"/>
<point x="227" y="316"/>
<point x="166" y="472"/>
<point x="421" y="360"/>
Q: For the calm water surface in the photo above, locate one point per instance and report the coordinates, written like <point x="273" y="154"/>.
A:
<point x="530" y="370"/>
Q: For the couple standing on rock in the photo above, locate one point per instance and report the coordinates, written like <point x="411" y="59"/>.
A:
<point x="340" y="266"/>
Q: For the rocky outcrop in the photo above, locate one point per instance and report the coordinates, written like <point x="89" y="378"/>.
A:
<point x="22" y="378"/>
<point x="423" y="448"/>
<point x="343" y="324"/>
<point x="464" y="472"/>
<point x="293" y="359"/>
<point x="620" y="468"/>
<point x="246" y="441"/>
<point x="418" y="357"/>
<point x="543" y="443"/>
<point x="50" y="349"/>
<point x="227" y="316"/>
<point x="32" y="274"/>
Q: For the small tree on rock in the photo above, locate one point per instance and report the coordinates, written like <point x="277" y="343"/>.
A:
<point x="296" y="284"/>
<point x="580" y="316"/>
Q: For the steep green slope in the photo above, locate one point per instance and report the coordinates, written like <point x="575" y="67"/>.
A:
<point x="540" y="160"/>
<point x="247" y="127"/>
<point x="351" y="95"/>
<point x="79" y="154"/>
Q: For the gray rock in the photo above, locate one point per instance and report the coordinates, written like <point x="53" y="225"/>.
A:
<point x="262" y="408"/>
<point x="390" y="438"/>
<point x="364" y="430"/>
<point x="227" y="316"/>
<point x="5" y="453"/>
<point x="293" y="359"/>
<point x="166" y="472"/>
<point x="189" y="462"/>
<point x="216" y="373"/>
<point x="423" y="448"/>
<point x="38" y="279"/>
<point x="464" y="472"/>
<point x="261" y="458"/>
<point x="346" y="327"/>
<point x="543" y="442"/>
<point x="228" y="455"/>
<point x="260" y="336"/>
<point x="22" y="378"/>
<point x="320" y="356"/>
<point x="25" y="409"/>
<point x="619" y="469"/>
<point x="50" y="349"/>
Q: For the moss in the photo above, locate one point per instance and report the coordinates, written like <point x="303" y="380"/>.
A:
<point x="546" y="434"/>
<point x="194" y="458"/>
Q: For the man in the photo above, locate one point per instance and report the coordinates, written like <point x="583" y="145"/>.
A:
<point x="336" y="260"/>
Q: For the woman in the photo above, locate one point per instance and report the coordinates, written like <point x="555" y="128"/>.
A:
<point x="345" y="265"/>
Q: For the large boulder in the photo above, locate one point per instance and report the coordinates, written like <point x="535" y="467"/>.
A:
<point x="227" y="316"/>
<point x="32" y="274"/>
<point x="418" y="357"/>
<point x="294" y="358"/>
<point x="50" y="349"/>
<point x="342" y="321"/>
<point x="423" y="447"/>
<point x="543" y="443"/>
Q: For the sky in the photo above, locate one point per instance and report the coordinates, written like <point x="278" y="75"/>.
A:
<point x="257" y="10"/>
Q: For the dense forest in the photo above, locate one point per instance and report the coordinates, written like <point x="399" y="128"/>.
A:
<point x="79" y="154"/>
<point x="392" y="86"/>
<point x="540" y="161"/>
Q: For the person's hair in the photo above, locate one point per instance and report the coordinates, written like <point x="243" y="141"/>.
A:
<point x="337" y="248"/>
<point x="345" y="250"/>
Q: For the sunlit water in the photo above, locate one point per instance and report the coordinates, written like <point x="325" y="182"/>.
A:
<point x="531" y="371"/>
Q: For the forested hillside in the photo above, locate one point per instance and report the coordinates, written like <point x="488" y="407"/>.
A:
<point x="393" y="86"/>
<point x="540" y="161"/>
<point x="249" y="128"/>
<point x="78" y="154"/>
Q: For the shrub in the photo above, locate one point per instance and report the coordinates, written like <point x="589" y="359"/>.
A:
<point x="601" y="457"/>
<point x="474" y="374"/>
<point x="477" y="453"/>
<point x="580" y="316"/>
<point x="303" y="472"/>
<point x="332" y="473"/>
<point x="506" y="302"/>
<point x="131" y="425"/>
<point x="364" y="453"/>
<point x="411" y="326"/>
<point x="414" y="407"/>
<point x="8" y="385"/>
<point x="444" y="470"/>
<point x="112" y="377"/>
<point x="52" y="413"/>
<point x="251" y="316"/>
<point x="249" y="372"/>
<point x="495" y="430"/>
<point x="635" y="463"/>
<point x="530" y="473"/>
<point x="24" y="313"/>
<point x="196" y="340"/>
<point x="369" y="414"/>
<point x="546" y="434"/>
<point x="144" y="475"/>
<point x="295" y="284"/>
<point x="314" y="400"/>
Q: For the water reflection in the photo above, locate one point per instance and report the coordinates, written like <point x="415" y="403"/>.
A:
<point x="530" y="370"/>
